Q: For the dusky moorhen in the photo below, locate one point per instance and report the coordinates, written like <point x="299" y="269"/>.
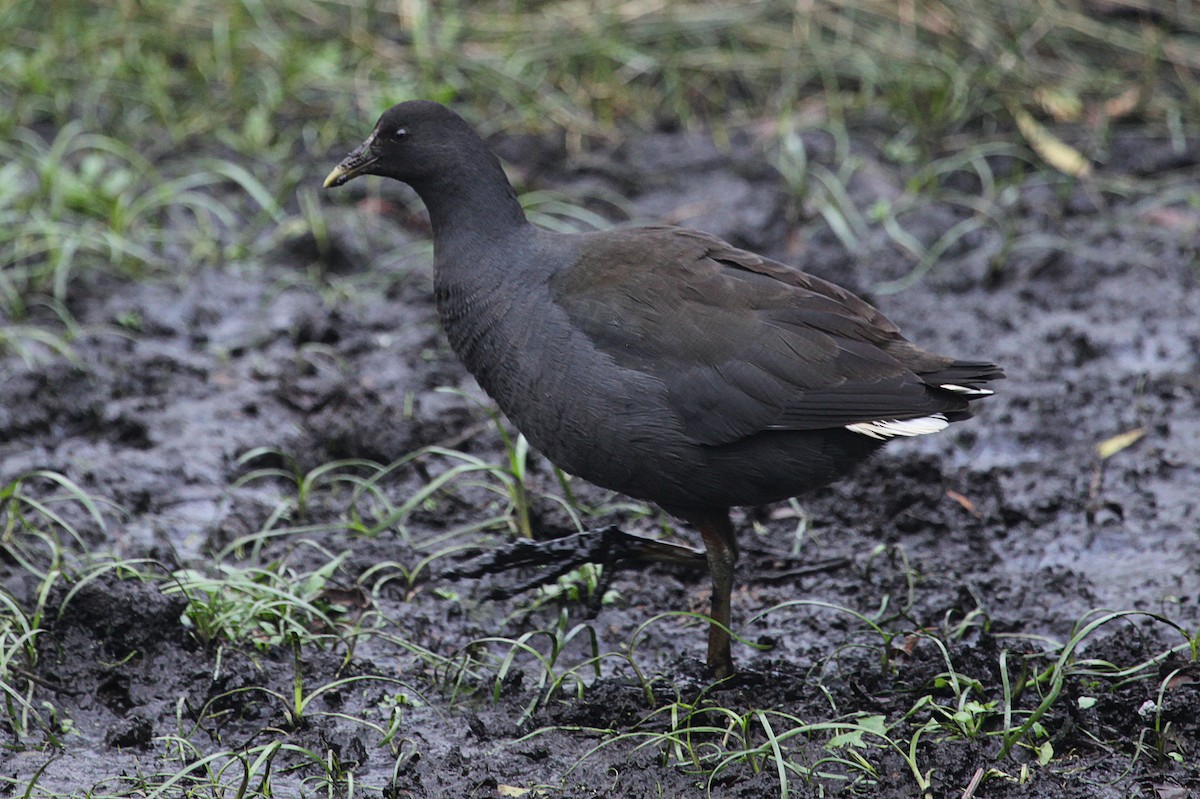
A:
<point x="660" y="362"/>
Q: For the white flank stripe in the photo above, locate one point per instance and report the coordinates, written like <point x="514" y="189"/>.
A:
<point x="971" y="392"/>
<point x="889" y="428"/>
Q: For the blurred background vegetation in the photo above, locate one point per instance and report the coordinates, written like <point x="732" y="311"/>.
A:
<point x="142" y="136"/>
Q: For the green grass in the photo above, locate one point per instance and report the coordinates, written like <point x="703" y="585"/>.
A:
<point x="38" y="536"/>
<point x="149" y="140"/>
<point x="702" y="735"/>
<point x="254" y="604"/>
<point x="158" y="137"/>
<point x="262" y="606"/>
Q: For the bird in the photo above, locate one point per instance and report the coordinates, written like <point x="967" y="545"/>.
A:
<point x="659" y="362"/>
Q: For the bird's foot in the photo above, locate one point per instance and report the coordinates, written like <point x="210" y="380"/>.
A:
<point x="608" y="546"/>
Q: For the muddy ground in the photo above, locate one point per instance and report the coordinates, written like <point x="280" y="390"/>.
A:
<point x="1008" y="528"/>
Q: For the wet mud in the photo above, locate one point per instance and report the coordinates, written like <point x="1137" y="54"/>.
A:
<point x="1000" y="535"/>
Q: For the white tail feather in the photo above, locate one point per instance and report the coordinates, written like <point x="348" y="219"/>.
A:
<point x="890" y="428"/>
<point x="970" y="392"/>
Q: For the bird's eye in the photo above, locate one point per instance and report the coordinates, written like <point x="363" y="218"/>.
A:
<point x="399" y="133"/>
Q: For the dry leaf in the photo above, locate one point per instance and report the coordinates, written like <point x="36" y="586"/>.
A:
<point x="511" y="790"/>
<point x="1063" y="105"/>
<point x="1111" y="446"/>
<point x="1169" y="790"/>
<point x="1053" y="150"/>
<point x="1124" y="103"/>
<point x="1182" y="219"/>
<point x="1180" y="680"/>
<point x="350" y="597"/>
<point x="967" y="504"/>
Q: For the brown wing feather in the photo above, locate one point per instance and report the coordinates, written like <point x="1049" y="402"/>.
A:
<point x="744" y="344"/>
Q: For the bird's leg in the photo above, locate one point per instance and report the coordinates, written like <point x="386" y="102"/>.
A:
<point x="720" y="543"/>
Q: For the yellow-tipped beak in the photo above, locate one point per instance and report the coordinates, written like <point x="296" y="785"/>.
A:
<point x="352" y="165"/>
<point x="337" y="177"/>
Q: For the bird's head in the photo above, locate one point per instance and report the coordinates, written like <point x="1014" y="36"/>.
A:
<point x="410" y="142"/>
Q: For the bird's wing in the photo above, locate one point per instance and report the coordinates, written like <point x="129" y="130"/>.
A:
<point x="743" y="344"/>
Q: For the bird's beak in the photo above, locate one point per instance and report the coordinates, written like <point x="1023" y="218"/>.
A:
<point x="352" y="165"/>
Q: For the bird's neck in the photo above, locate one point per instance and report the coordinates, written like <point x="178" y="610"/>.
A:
<point x="472" y="207"/>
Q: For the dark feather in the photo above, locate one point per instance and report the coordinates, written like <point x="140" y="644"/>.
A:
<point x="744" y="344"/>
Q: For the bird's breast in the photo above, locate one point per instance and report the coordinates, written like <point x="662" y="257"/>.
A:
<point x="589" y="416"/>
